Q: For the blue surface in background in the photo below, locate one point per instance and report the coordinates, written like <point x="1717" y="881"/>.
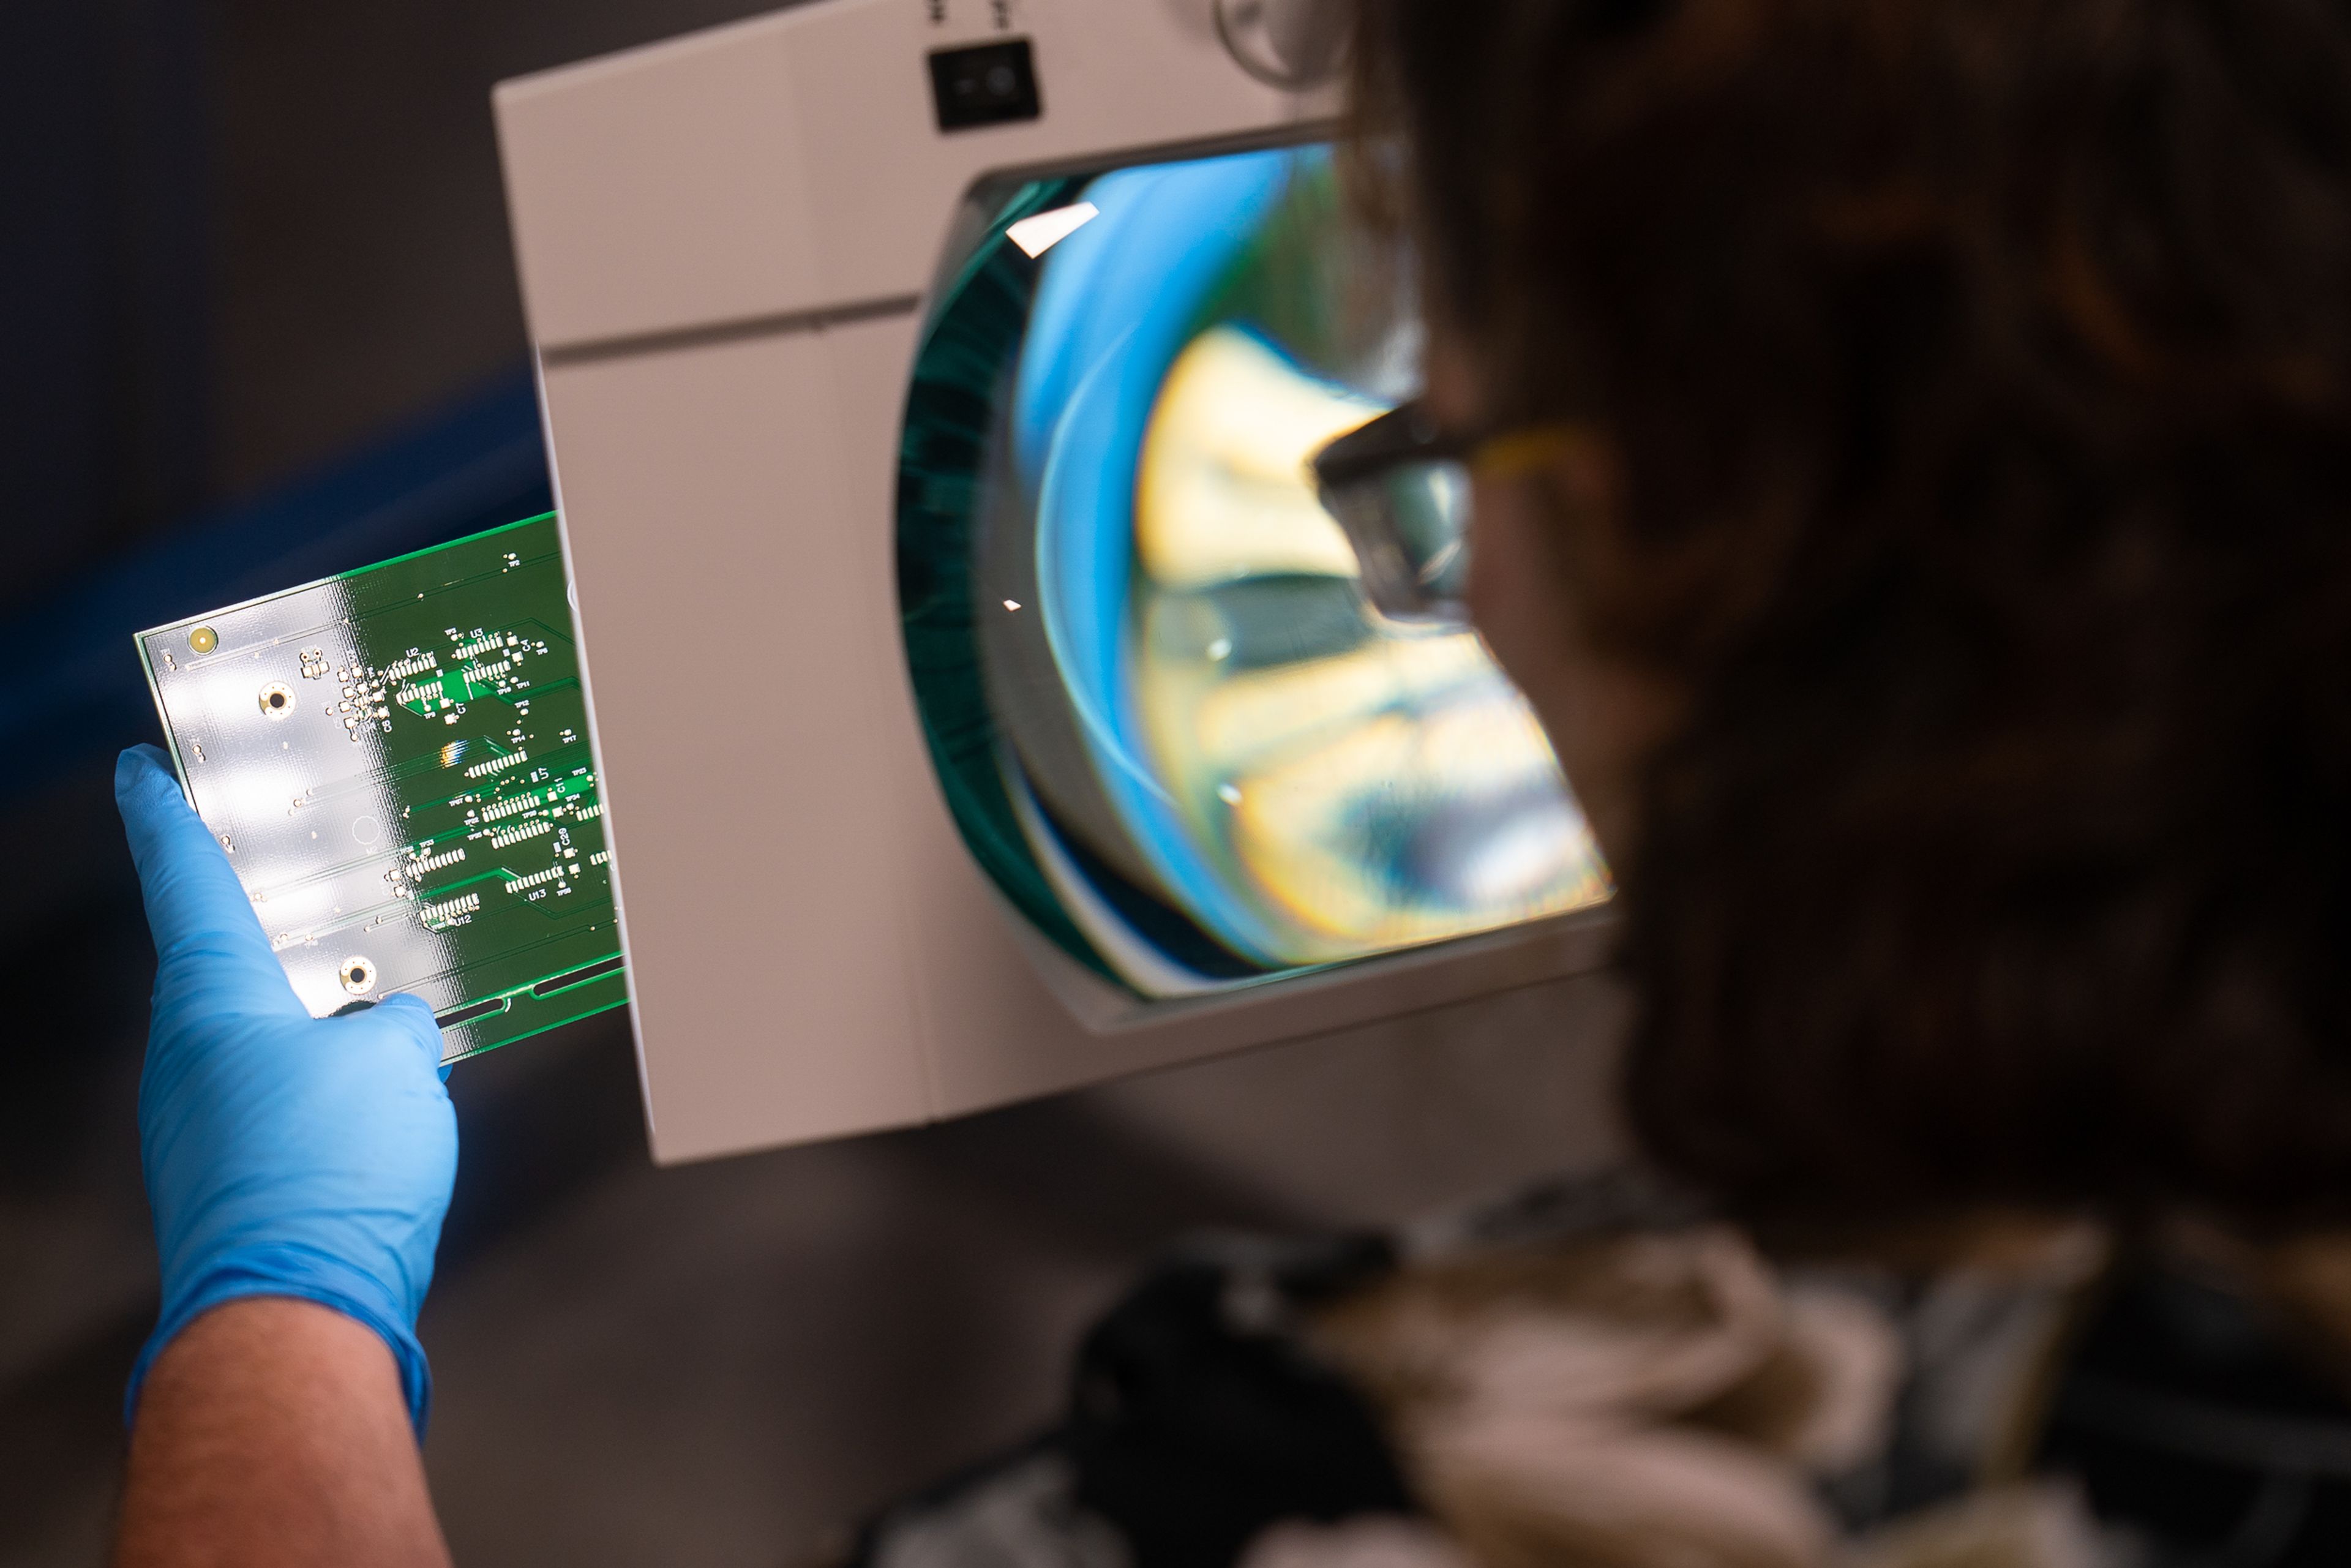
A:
<point x="72" y="693"/>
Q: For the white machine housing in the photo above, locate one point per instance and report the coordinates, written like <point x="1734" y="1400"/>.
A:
<point x="725" y="242"/>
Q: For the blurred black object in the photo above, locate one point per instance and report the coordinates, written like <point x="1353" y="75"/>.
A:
<point x="1197" y="1420"/>
<point x="1191" y="1434"/>
<point x="2186" y="1413"/>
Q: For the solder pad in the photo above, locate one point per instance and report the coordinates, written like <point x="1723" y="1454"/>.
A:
<point x="397" y="762"/>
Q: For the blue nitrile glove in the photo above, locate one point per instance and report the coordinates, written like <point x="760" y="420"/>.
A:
<point x="286" y="1156"/>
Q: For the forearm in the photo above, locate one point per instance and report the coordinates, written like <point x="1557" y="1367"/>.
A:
<point x="273" y="1432"/>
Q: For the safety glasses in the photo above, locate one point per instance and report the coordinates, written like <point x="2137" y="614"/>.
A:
<point x="1399" y="487"/>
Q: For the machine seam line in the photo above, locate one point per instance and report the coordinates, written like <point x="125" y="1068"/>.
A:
<point x="674" y="338"/>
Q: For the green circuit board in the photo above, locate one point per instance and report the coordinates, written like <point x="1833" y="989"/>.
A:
<point x="396" y="760"/>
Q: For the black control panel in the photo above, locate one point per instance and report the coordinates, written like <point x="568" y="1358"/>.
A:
<point x="986" y="84"/>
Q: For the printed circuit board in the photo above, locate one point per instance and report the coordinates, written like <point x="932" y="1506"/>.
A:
<point x="397" y="762"/>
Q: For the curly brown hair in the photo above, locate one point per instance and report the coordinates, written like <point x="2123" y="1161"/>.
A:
<point x="1982" y="374"/>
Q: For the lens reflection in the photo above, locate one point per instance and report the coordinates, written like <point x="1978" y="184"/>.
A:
<point x="1168" y="720"/>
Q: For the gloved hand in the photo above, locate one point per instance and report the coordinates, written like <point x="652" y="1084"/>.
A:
<point x="286" y="1156"/>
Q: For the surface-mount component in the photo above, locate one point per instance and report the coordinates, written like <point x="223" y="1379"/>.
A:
<point x="397" y="761"/>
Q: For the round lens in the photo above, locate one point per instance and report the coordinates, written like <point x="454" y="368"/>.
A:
<point x="1168" y="720"/>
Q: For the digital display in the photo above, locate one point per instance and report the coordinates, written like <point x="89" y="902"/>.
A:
<point x="1168" y="722"/>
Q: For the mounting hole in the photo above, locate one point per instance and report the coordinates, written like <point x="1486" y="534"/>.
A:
<point x="276" y="700"/>
<point x="357" y="974"/>
<point x="203" y="639"/>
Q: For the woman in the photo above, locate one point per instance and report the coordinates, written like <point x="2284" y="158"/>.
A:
<point x="1911" y="444"/>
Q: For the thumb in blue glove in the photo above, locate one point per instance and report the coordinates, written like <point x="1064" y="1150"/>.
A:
<point x="284" y="1155"/>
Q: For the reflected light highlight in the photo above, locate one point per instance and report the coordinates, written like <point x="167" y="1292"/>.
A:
<point x="1041" y="232"/>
